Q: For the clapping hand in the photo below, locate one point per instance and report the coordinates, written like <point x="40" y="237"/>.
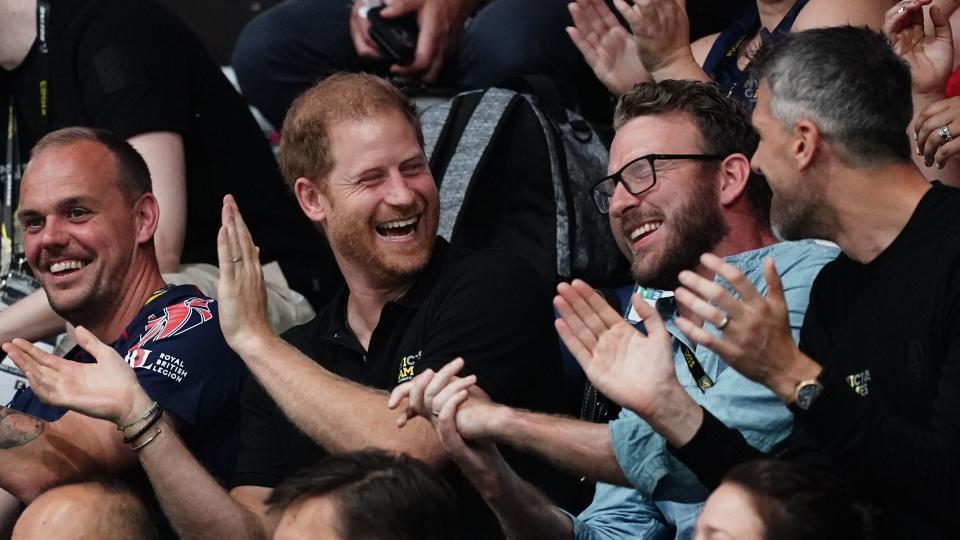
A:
<point x="241" y="294"/>
<point x="755" y="336"/>
<point x="930" y="56"/>
<point x="629" y="367"/>
<point x="608" y="48"/>
<point x="107" y="389"/>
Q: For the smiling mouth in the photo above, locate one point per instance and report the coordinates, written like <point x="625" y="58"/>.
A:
<point x="62" y="268"/>
<point x="644" y="230"/>
<point x="399" y="228"/>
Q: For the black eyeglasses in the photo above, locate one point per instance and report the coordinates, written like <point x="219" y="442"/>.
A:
<point x="638" y="176"/>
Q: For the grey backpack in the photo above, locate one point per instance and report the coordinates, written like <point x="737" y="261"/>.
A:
<point x="514" y="172"/>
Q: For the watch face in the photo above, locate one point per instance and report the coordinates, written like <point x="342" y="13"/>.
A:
<point x="806" y="394"/>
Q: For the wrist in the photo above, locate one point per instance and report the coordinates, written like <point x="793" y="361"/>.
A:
<point x="139" y="404"/>
<point x="499" y="420"/>
<point x="250" y="343"/>
<point x="675" y="416"/>
<point x="924" y="97"/>
<point x="784" y="382"/>
<point x="679" y="64"/>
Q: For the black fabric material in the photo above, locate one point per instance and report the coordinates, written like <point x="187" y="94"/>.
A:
<point x="488" y="307"/>
<point x="511" y="200"/>
<point x="887" y="334"/>
<point x="131" y="67"/>
<point x="721" y="62"/>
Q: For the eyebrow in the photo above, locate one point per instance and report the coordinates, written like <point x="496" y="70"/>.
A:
<point x="70" y="202"/>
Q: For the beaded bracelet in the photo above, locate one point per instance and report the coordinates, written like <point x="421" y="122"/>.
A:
<point x="153" y="408"/>
<point x="150" y="424"/>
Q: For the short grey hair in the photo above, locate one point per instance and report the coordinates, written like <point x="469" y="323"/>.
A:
<point x="847" y="81"/>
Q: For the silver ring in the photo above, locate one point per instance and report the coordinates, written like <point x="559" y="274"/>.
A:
<point x="723" y="323"/>
<point x="236" y="259"/>
<point x="435" y="413"/>
<point x="945" y="133"/>
<point x="901" y="9"/>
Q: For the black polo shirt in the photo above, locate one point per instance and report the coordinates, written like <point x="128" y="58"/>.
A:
<point x="489" y="307"/>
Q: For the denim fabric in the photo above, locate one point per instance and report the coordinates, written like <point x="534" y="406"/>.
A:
<point x="666" y="496"/>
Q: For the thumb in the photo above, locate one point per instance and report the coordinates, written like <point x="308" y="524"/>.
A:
<point x="89" y="342"/>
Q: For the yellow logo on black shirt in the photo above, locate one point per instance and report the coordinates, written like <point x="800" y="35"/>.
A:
<point x="406" y="367"/>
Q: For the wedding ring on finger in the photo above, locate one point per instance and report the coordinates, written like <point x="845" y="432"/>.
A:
<point x="236" y="259"/>
<point x="945" y="133"/>
<point x="901" y="9"/>
<point x="435" y="413"/>
<point x="723" y="322"/>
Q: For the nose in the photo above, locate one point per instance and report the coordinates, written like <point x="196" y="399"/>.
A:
<point x="398" y="191"/>
<point x="621" y="200"/>
<point x="53" y="234"/>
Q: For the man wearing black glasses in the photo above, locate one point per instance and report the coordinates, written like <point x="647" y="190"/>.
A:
<point x="680" y="186"/>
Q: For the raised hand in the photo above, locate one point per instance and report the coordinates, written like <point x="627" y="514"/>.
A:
<point x="608" y="48"/>
<point x="107" y="389"/>
<point x="756" y="338"/>
<point x="632" y="369"/>
<point x="662" y="33"/>
<point x="930" y="56"/>
<point x="241" y="294"/>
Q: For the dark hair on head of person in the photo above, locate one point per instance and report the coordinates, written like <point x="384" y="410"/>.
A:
<point x="847" y="81"/>
<point x="723" y="123"/>
<point x="377" y="495"/>
<point x="305" y="137"/>
<point x="798" y="502"/>
<point x="133" y="176"/>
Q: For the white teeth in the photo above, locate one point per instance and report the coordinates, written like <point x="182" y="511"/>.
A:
<point x="644" y="229"/>
<point x="399" y="224"/>
<point x="65" y="265"/>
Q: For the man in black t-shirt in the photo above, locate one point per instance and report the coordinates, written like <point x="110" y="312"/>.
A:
<point x="353" y="152"/>
<point x="131" y="67"/>
<point x="875" y="382"/>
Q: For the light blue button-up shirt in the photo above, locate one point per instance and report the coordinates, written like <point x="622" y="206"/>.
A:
<point x="666" y="496"/>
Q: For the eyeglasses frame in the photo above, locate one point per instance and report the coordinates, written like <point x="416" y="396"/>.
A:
<point x="617" y="176"/>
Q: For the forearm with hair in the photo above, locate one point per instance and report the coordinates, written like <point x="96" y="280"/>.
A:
<point x="197" y="506"/>
<point x="576" y="446"/>
<point x="523" y="511"/>
<point x="340" y="415"/>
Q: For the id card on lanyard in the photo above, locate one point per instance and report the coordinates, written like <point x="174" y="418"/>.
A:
<point x="651" y="296"/>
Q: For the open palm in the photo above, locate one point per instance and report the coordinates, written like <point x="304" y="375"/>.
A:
<point x="104" y="389"/>
<point x="629" y="367"/>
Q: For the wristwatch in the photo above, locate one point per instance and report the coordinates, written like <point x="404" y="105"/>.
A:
<point x="806" y="393"/>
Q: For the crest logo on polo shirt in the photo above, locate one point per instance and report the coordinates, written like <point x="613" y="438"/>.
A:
<point x="176" y="320"/>
<point x="407" y="364"/>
